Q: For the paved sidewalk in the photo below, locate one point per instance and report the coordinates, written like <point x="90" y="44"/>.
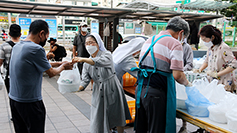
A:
<point x="65" y="113"/>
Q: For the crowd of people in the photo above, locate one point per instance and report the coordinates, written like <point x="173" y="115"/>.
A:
<point x="163" y="58"/>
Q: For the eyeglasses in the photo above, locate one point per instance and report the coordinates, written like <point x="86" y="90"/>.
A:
<point x="89" y="42"/>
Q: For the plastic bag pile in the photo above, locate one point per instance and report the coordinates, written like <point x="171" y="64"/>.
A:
<point x="211" y="100"/>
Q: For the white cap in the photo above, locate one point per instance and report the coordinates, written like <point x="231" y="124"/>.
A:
<point x="83" y="23"/>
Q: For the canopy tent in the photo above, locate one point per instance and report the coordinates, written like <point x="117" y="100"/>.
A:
<point x="207" y="5"/>
<point x="149" y="5"/>
<point x="101" y="13"/>
<point x="97" y="12"/>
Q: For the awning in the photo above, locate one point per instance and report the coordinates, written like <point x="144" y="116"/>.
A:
<point x="149" y="5"/>
<point x="97" y="12"/>
<point x="207" y="5"/>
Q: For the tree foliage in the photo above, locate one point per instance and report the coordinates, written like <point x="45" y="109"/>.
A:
<point x="231" y="10"/>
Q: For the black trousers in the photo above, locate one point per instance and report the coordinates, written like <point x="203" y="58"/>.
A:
<point x="7" y="84"/>
<point x="151" y="116"/>
<point x="28" y="117"/>
<point x="80" y="66"/>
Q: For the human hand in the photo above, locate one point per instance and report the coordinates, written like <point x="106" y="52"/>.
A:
<point x="196" y="71"/>
<point x="189" y="84"/>
<point x="212" y="74"/>
<point x="81" y="88"/>
<point x="67" y="65"/>
<point x="76" y="59"/>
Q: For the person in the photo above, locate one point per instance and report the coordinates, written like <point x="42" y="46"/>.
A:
<point x="157" y="72"/>
<point x="187" y="55"/>
<point x="109" y="107"/>
<point x="28" y="62"/>
<point x="123" y="57"/>
<point x="188" y="66"/>
<point x="54" y="52"/>
<point x="4" y="35"/>
<point x="5" y="52"/>
<point x="79" y="49"/>
<point x="220" y="61"/>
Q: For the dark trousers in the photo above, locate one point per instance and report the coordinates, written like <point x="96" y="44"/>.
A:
<point x="151" y="116"/>
<point x="80" y="66"/>
<point x="7" y="84"/>
<point x="28" y="117"/>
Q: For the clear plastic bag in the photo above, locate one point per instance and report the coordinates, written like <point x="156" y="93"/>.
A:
<point x="69" y="80"/>
<point x="196" y="103"/>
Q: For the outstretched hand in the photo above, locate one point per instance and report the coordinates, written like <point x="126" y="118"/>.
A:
<point x="76" y="59"/>
<point x="67" y="65"/>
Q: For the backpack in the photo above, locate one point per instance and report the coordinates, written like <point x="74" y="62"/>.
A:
<point x="62" y="51"/>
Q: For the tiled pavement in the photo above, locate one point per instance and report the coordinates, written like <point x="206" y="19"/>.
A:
<point x="65" y="113"/>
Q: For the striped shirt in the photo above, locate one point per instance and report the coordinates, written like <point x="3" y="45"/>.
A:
<point x="5" y="53"/>
<point x="168" y="54"/>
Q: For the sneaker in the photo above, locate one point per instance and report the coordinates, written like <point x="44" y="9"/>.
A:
<point x="183" y="130"/>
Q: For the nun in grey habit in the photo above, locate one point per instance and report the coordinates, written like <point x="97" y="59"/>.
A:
<point x="109" y="107"/>
<point x="123" y="57"/>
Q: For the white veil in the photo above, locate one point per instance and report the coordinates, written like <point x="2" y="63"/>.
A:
<point x="127" y="49"/>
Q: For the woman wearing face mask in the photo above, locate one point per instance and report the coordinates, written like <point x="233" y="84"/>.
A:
<point x="109" y="108"/>
<point x="220" y="61"/>
<point x="123" y="57"/>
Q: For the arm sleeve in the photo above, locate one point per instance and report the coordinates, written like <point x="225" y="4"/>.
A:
<point x="176" y="58"/>
<point x="75" y="41"/>
<point x="40" y="60"/>
<point x="206" y="60"/>
<point x="189" y="58"/>
<point x="85" y="76"/>
<point x="105" y="60"/>
<point x="229" y="57"/>
<point x="128" y="64"/>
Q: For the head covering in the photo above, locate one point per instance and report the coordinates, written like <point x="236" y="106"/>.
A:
<point x="83" y="23"/>
<point x="127" y="49"/>
<point x="99" y="41"/>
<point x="52" y="39"/>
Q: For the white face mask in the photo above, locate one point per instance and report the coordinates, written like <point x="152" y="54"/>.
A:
<point x="84" y="29"/>
<point x="181" y="40"/>
<point x="208" y="44"/>
<point x="91" y="49"/>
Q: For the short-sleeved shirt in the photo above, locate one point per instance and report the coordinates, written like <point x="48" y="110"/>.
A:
<point x="79" y="42"/>
<point x="28" y="62"/>
<point x="168" y="54"/>
<point x="5" y="54"/>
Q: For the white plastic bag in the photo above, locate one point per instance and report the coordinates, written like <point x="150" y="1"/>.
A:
<point x="227" y="103"/>
<point x="217" y="113"/>
<point x="232" y="119"/>
<point x="181" y="96"/>
<point x="69" y="80"/>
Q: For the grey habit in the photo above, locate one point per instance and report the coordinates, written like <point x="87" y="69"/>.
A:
<point x="125" y="66"/>
<point x="109" y="106"/>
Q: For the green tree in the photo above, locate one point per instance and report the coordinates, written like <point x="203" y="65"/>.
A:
<point x="230" y="10"/>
